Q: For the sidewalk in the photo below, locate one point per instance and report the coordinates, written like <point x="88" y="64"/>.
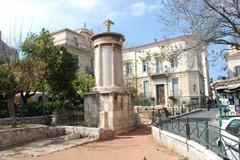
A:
<point x="133" y="146"/>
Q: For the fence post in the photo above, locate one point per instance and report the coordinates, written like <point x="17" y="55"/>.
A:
<point x="160" y="124"/>
<point x="179" y="127"/>
<point x="197" y="130"/>
<point x="187" y="130"/>
<point x="152" y="116"/>
<point x="207" y="135"/>
<point x="239" y="147"/>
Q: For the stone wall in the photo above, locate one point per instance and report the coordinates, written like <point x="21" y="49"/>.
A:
<point x="74" y="132"/>
<point x="17" y="136"/>
<point x="27" y="120"/>
<point x="120" y="112"/>
<point x="144" y="113"/>
<point x="83" y="131"/>
<point x="187" y="148"/>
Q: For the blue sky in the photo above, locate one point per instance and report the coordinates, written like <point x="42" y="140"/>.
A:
<point x="136" y="19"/>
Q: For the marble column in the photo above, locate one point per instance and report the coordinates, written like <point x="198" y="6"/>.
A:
<point x="108" y="61"/>
<point x="113" y="68"/>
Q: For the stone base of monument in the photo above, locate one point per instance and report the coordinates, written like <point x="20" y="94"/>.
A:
<point x="105" y="134"/>
<point x="110" y="111"/>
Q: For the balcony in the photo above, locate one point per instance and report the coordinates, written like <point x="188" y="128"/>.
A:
<point x="161" y="73"/>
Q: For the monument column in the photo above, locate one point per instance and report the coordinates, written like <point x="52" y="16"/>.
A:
<point x="113" y="69"/>
<point x="108" y="60"/>
<point x="110" y="105"/>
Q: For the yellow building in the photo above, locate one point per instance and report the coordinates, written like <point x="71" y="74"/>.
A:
<point x="170" y="72"/>
<point x="77" y="42"/>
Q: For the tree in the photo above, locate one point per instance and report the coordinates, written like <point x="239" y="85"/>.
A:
<point x="60" y="78"/>
<point x="32" y="71"/>
<point x="39" y="49"/>
<point x="212" y="21"/>
<point x="9" y="86"/>
<point x="61" y="65"/>
<point x="16" y="76"/>
<point x="83" y="83"/>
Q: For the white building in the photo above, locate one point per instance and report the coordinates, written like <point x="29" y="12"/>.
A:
<point x="233" y="63"/>
<point x="170" y="71"/>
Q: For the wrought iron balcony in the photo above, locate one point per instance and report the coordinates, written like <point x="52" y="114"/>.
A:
<point x="161" y="73"/>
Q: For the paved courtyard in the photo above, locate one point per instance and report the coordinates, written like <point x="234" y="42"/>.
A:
<point x="133" y="146"/>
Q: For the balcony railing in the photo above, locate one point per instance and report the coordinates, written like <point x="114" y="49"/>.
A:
<point x="160" y="73"/>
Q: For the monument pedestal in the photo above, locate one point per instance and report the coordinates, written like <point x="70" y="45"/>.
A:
<point x="110" y="106"/>
<point x="110" y="110"/>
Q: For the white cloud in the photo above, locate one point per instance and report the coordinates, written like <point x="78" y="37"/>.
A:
<point x="116" y="14"/>
<point x="85" y="5"/>
<point x="34" y="15"/>
<point x="141" y="8"/>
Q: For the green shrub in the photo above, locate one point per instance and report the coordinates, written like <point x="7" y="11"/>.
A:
<point x="47" y="108"/>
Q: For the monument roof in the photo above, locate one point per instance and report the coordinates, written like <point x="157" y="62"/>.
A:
<point x="104" y="34"/>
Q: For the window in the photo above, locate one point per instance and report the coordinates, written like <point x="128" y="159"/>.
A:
<point x="234" y="127"/>
<point x="146" y="88"/>
<point x="237" y="70"/>
<point x="75" y="41"/>
<point x="144" y="65"/>
<point x="158" y="65"/>
<point x="174" y="63"/>
<point x="128" y="69"/>
<point x="175" y="86"/>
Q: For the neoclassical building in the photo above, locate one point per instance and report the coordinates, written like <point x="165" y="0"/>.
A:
<point x="77" y="42"/>
<point x="233" y="63"/>
<point x="7" y="53"/>
<point x="169" y="72"/>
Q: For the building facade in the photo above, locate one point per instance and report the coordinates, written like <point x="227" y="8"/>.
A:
<point x="233" y="63"/>
<point x="7" y="53"/>
<point x="170" y="72"/>
<point x="78" y="43"/>
<point x="227" y="91"/>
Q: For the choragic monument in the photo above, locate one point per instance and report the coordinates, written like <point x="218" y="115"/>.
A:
<point x="109" y="105"/>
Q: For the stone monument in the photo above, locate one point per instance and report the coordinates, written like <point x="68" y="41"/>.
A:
<point x="109" y="106"/>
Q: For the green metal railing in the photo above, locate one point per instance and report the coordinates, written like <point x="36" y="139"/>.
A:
<point x="203" y="133"/>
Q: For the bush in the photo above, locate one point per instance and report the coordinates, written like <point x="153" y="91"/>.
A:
<point x="47" y="108"/>
<point x="37" y="109"/>
<point x="3" y="107"/>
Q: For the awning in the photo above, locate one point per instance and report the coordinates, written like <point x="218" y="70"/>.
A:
<point x="221" y="87"/>
<point x="233" y="86"/>
<point x="229" y="88"/>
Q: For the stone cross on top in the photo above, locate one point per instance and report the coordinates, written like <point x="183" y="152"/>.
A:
<point x="108" y="23"/>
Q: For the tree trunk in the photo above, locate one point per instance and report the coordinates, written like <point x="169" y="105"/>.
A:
<point x="12" y="110"/>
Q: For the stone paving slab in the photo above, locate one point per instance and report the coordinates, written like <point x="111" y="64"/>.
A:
<point x="41" y="147"/>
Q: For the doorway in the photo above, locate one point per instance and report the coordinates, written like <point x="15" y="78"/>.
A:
<point x="160" y="94"/>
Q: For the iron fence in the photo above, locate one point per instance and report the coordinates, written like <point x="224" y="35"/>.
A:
<point x="144" y="102"/>
<point x="211" y="137"/>
<point x="71" y="117"/>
